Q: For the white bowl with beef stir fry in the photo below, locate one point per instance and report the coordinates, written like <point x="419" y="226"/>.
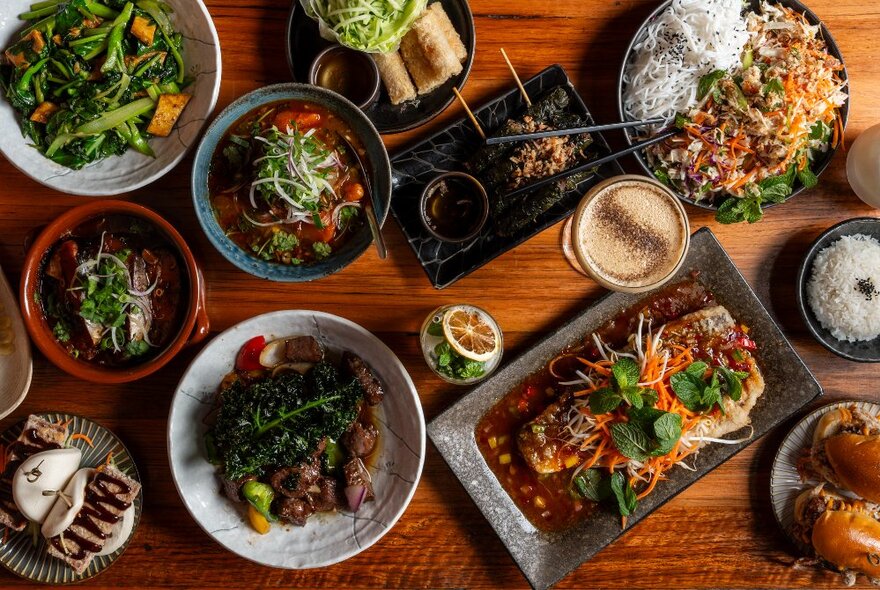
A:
<point x="296" y="439"/>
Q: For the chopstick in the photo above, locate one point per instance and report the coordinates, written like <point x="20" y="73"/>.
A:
<point x="522" y="88"/>
<point x="590" y="165"/>
<point x="572" y="131"/>
<point x="469" y="113"/>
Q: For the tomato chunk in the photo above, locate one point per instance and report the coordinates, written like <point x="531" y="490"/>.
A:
<point x="299" y="119"/>
<point x="248" y="358"/>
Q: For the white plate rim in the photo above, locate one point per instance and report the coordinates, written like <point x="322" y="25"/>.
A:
<point x="411" y="390"/>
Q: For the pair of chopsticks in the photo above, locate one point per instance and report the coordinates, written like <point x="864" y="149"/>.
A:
<point x="562" y="132"/>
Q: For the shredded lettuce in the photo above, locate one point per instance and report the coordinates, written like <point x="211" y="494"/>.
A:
<point x="373" y="26"/>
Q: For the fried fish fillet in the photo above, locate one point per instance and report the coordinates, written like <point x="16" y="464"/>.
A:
<point x="541" y="441"/>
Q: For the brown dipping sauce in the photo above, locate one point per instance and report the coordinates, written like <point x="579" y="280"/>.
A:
<point x="454" y="208"/>
<point x="347" y="72"/>
<point x="547" y="500"/>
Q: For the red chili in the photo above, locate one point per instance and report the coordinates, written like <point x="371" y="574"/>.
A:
<point x="248" y="358"/>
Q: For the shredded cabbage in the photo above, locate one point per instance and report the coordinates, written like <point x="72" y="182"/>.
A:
<point x="373" y="26"/>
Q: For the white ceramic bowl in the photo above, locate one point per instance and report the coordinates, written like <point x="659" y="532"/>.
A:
<point x="327" y="538"/>
<point x="16" y="369"/>
<point x="121" y="174"/>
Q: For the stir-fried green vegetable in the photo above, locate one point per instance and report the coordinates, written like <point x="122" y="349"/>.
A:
<point x="93" y="78"/>
<point x="365" y="25"/>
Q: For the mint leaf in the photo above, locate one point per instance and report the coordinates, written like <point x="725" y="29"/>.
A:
<point x="644" y="417"/>
<point x="604" y="400"/>
<point x="630" y="440"/>
<point x="712" y="393"/>
<point x="732" y="381"/>
<point x="649" y="397"/>
<point x="707" y="83"/>
<point x="625" y="373"/>
<point x="820" y="131"/>
<point x="776" y="193"/>
<point x="592" y="485"/>
<point x="807" y="178"/>
<point x="435" y="328"/>
<point x="625" y="495"/>
<point x="729" y="212"/>
<point x="697" y="369"/>
<point x="662" y="176"/>
<point x="688" y="389"/>
<point x="633" y="395"/>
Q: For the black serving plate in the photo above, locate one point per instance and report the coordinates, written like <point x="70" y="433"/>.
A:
<point x="545" y="558"/>
<point x="447" y="150"/>
<point x="821" y="162"/>
<point x="304" y="42"/>
<point x="865" y="351"/>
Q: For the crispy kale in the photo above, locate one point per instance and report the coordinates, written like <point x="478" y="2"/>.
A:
<point x="281" y="420"/>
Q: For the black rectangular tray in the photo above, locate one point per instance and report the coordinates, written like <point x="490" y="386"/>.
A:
<point x="545" y="557"/>
<point x="447" y="150"/>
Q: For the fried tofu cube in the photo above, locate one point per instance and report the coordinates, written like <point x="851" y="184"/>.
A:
<point x="44" y="112"/>
<point x="144" y="29"/>
<point x="17" y="55"/>
<point x="168" y="110"/>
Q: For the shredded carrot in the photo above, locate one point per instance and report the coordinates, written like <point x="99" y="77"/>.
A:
<point x="80" y="436"/>
<point x="107" y="461"/>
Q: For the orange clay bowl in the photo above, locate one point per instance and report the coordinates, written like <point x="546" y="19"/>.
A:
<point x="195" y="325"/>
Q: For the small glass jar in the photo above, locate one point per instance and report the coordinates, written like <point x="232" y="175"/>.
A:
<point x="442" y="357"/>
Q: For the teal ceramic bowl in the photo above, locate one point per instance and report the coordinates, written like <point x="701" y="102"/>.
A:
<point x="376" y="162"/>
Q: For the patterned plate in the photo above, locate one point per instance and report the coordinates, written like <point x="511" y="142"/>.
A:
<point x="20" y="555"/>
<point x="785" y="483"/>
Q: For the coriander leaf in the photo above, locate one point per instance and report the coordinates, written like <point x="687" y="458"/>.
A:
<point x="625" y="495"/>
<point x="732" y="381"/>
<point x="707" y="83"/>
<point x="688" y="389"/>
<point x="61" y="331"/>
<point x="820" y="131"/>
<point x="322" y="250"/>
<point x="604" y="400"/>
<point x="774" y="85"/>
<point x="662" y="176"/>
<point x="591" y="484"/>
<point x="625" y="373"/>
<point x="630" y="440"/>
<point x="681" y="121"/>
<point x="697" y="369"/>
<point x="807" y="178"/>
<point x="137" y="348"/>
<point x="633" y="395"/>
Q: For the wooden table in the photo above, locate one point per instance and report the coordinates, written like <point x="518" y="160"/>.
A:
<point x="719" y="533"/>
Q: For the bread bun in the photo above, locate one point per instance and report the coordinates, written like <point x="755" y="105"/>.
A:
<point x="830" y="424"/>
<point x="855" y="459"/>
<point x="848" y="540"/>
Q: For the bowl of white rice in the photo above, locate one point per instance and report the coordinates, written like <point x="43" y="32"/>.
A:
<point x="839" y="289"/>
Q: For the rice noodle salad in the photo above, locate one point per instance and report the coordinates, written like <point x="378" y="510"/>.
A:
<point x="754" y="109"/>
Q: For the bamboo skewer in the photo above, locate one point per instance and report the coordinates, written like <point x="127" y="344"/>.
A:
<point x="522" y="89"/>
<point x="469" y="113"/>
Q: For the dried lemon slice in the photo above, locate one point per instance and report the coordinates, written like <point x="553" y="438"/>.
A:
<point x="470" y="334"/>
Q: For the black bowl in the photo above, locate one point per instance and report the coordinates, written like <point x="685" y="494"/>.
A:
<point x="863" y="352"/>
<point x="819" y="165"/>
<point x="304" y="42"/>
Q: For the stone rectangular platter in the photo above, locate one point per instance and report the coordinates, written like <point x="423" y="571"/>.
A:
<point x="447" y="150"/>
<point x="545" y="558"/>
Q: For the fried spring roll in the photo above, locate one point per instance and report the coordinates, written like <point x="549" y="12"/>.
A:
<point x="452" y="36"/>
<point x="428" y="55"/>
<point x="395" y="77"/>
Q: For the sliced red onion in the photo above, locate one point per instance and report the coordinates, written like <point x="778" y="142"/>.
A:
<point x="149" y="290"/>
<point x="355" y="496"/>
<point x="339" y="207"/>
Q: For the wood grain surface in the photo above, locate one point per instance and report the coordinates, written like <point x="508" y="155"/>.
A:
<point x="719" y="533"/>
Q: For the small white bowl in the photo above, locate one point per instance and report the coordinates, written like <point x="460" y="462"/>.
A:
<point x="121" y="174"/>
<point x="16" y="369"/>
<point x="327" y="538"/>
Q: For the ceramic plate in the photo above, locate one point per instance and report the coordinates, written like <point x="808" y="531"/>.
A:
<point x="304" y="43"/>
<point x="447" y="150"/>
<point x="327" y="538"/>
<point x="19" y="554"/>
<point x="16" y="364"/>
<point x="546" y="557"/>
<point x="821" y="161"/>
<point x="785" y="482"/>
<point x="115" y="175"/>
<point x="376" y="161"/>
<point x="866" y="351"/>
